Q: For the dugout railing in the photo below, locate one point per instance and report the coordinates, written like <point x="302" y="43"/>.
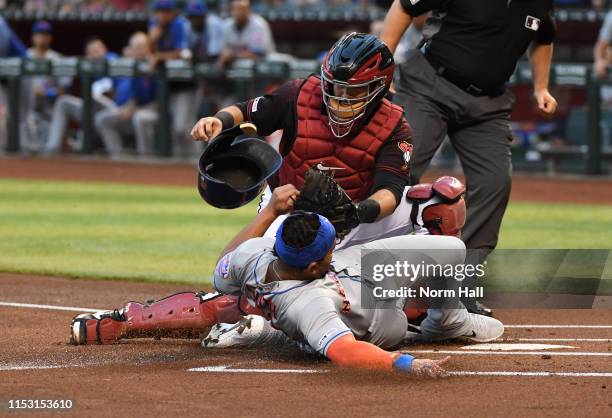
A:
<point x="248" y="76"/>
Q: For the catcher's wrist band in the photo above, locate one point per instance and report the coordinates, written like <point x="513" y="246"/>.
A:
<point x="403" y="363"/>
<point x="226" y="118"/>
<point x="368" y="211"/>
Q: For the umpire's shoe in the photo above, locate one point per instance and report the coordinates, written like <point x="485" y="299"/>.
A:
<point x="104" y="327"/>
<point x="475" y="306"/>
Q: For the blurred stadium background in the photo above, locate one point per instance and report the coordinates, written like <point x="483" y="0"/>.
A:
<point x="579" y="140"/>
<point x="78" y="80"/>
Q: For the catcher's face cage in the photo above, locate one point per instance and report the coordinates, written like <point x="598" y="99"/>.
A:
<point x="346" y="103"/>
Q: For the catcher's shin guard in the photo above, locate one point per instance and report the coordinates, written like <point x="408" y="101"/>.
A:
<point x="182" y="311"/>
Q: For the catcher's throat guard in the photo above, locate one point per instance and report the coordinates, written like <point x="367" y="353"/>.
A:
<point x="235" y="166"/>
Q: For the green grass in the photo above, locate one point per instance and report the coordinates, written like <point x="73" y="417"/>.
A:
<point x="558" y="225"/>
<point x="112" y="231"/>
<point x="168" y="234"/>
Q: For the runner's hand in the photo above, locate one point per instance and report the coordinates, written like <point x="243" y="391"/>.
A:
<point x="430" y="368"/>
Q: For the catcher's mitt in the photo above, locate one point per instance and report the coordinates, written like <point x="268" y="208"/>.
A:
<point x="322" y="195"/>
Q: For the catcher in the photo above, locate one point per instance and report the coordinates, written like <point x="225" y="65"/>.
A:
<point x="307" y="290"/>
<point x="341" y="124"/>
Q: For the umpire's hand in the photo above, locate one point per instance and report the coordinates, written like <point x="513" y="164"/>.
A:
<point x="206" y="129"/>
<point x="547" y="105"/>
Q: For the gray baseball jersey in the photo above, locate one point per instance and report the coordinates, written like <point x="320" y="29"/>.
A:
<point x="314" y="312"/>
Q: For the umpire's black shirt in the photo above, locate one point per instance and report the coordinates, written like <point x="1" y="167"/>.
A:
<point x="480" y="41"/>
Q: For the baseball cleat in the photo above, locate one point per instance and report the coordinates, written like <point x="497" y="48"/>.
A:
<point x="104" y="327"/>
<point x="482" y="329"/>
<point x="251" y="331"/>
<point x="240" y="334"/>
<point x="477" y="307"/>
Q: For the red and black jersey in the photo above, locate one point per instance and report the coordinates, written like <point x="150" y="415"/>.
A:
<point x="386" y="169"/>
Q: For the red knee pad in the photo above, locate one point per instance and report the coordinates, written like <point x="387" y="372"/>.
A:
<point x="439" y="207"/>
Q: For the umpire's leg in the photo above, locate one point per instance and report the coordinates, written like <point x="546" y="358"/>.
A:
<point x="416" y="94"/>
<point x="484" y="151"/>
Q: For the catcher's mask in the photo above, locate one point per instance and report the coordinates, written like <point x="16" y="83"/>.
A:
<point x="235" y="166"/>
<point x="355" y="77"/>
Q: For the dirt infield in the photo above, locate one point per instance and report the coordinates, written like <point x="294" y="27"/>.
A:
<point x="524" y="188"/>
<point x="141" y="375"/>
<point x="572" y="379"/>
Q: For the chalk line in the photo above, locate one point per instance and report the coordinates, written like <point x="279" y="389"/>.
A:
<point x="52" y="307"/>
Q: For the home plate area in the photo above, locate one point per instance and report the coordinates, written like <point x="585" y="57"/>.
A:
<point x="499" y="354"/>
<point x="548" y="363"/>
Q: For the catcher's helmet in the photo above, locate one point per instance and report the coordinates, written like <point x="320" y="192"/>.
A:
<point x="235" y="166"/>
<point x="355" y="77"/>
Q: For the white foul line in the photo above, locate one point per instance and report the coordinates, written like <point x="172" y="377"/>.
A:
<point x="75" y="309"/>
<point x="226" y="369"/>
<point x="588" y="340"/>
<point x="514" y="353"/>
<point x="534" y="374"/>
<point x="560" y="326"/>
<point x="52" y="307"/>
<point x="9" y="368"/>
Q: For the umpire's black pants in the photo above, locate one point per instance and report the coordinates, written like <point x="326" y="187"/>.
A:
<point x="480" y="133"/>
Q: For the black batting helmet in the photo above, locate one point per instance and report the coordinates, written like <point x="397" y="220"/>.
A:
<point x="235" y="166"/>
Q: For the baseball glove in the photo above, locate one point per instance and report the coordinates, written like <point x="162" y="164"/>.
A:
<point x="321" y="194"/>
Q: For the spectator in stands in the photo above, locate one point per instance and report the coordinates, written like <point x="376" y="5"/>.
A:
<point x="206" y="31"/>
<point x="134" y="101"/>
<point x="601" y="52"/>
<point x="41" y="5"/>
<point x="38" y="93"/>
<point x="246" y="35"/>
<point x="69" y="107"/>
<point x="169" y="33"/>
<point x="602" y="55"/>
<point x="10" y="44"/>
<point x="127" y="5"/>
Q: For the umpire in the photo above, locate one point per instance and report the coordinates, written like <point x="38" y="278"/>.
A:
<point x="455" y="85"/>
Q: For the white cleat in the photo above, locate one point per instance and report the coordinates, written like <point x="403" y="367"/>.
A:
<point x="241" y="334"/>
<point x="482" y="329"/>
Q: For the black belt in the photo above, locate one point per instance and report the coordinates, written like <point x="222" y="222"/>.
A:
<point x="462" y="83"/>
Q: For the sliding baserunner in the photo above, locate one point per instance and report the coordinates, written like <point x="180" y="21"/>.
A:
<point x="307" y="291"/>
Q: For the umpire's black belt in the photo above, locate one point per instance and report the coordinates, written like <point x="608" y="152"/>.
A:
<point x="460" y="82"/>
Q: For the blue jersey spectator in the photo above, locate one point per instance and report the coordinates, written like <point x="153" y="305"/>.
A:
<point x="10" y="45"/>
<point x="134" y="110"/>
<point x="142" y="90"/>
<point x="169" y="32"/>
<point x="206" y="31"/>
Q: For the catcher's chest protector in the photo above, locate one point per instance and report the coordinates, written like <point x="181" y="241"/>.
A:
<point x="352" y="159"/>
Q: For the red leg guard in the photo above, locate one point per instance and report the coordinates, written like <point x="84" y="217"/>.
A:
<point x="182" y="310"/>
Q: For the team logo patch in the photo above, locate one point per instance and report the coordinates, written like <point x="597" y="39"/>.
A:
<point x="532" y="23"/>
<point x="326" y="337"/>
<point x="224" y="266"/>
<point x="321" y="167"/>
<point x="406" y="149"/>
<point x="255" y="105"/>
